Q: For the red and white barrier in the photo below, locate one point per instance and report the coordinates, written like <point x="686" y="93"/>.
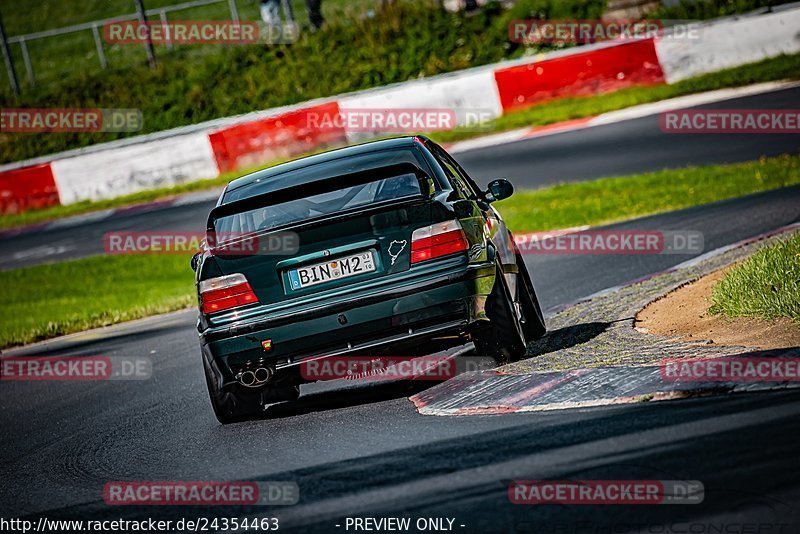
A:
<point x="601" y="69"/>
<point x="280" y="136"/>
<point x="128" y="169"/>
<point x="26" y="188"/>
<point x="169" y="158"/>
<point x="729" y="42"/>
<point x="472" y="89"/>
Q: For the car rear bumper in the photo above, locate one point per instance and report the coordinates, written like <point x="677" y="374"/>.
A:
<point x="390" y="319"/>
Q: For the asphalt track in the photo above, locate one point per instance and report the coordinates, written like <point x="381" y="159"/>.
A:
<point x="362" y="450"/>
<point x="630" y="147"/>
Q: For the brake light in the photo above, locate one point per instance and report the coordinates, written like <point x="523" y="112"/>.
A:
<point x="226" y="292"/>
<point x="437" y="240"/>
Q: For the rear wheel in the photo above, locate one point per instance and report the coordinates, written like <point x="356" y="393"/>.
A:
<point x="234" y="405"/>
<point x="532" y="318"/>
<point x="503" y="338"/>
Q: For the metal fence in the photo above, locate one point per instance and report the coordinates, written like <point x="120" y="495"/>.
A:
<point x="96" y="26"/>
<point x="53" y="59"/>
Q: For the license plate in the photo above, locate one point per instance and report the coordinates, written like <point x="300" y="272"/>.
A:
<point x="332" y="270"/>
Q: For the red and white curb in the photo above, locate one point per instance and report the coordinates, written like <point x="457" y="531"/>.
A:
<point x="495" y="392"/>
<point x="491" y="393"/>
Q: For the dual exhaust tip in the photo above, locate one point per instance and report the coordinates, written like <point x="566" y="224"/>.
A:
<point x="256" y="378"/>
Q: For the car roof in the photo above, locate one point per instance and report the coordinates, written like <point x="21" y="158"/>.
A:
<point x="332" y="155"/>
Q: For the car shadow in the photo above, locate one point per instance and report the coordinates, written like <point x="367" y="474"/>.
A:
<point x="348" y="396"/>
<point x="564" y="338"/>
<point x="361" y="392"/>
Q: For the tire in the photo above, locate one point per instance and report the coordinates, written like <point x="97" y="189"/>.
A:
<point x="234" y="405"/>
<point x="503" y="338"/>
<point x="533" y="319"/>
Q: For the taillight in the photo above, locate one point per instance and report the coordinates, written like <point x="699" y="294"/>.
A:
<point x="437" y="240"/>
<point x="226" y="292"/>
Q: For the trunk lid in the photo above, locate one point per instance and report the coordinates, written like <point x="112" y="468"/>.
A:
<point x="322" y="236"/>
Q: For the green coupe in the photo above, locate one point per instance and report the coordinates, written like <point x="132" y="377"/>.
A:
<point x="386" y="248"/>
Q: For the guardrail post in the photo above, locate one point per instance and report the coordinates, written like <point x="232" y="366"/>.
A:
<point x="101" y="53"/>
<point x="26" y="58"/>
<point x="234" y="11"/>
<point x="163" y="16"/>
<point x="12" y="73"/>
<point x="288" y="12"/>
<point x="141" y="12"/>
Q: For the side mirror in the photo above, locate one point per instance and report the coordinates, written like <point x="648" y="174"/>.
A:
<point x="195" y="261"/>
<point x="499" y="190"/>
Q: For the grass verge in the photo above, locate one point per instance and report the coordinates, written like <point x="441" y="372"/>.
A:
<point x="614" y="199"/>
<point x="765" y="286"/>
<point x="778" y="68"/>
<point x="50" y="300"/>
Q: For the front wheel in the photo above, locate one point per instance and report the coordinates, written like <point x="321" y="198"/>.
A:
<point x="503" y="338"/>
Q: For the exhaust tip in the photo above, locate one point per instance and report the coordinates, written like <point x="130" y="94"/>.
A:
<point x="247" y="378"/>
<point x="255" y="378"/>
<point x="263" y="374"/>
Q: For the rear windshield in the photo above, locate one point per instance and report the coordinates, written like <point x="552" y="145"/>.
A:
<point x="319" y="205"/>
<point x="277" y="179"/>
